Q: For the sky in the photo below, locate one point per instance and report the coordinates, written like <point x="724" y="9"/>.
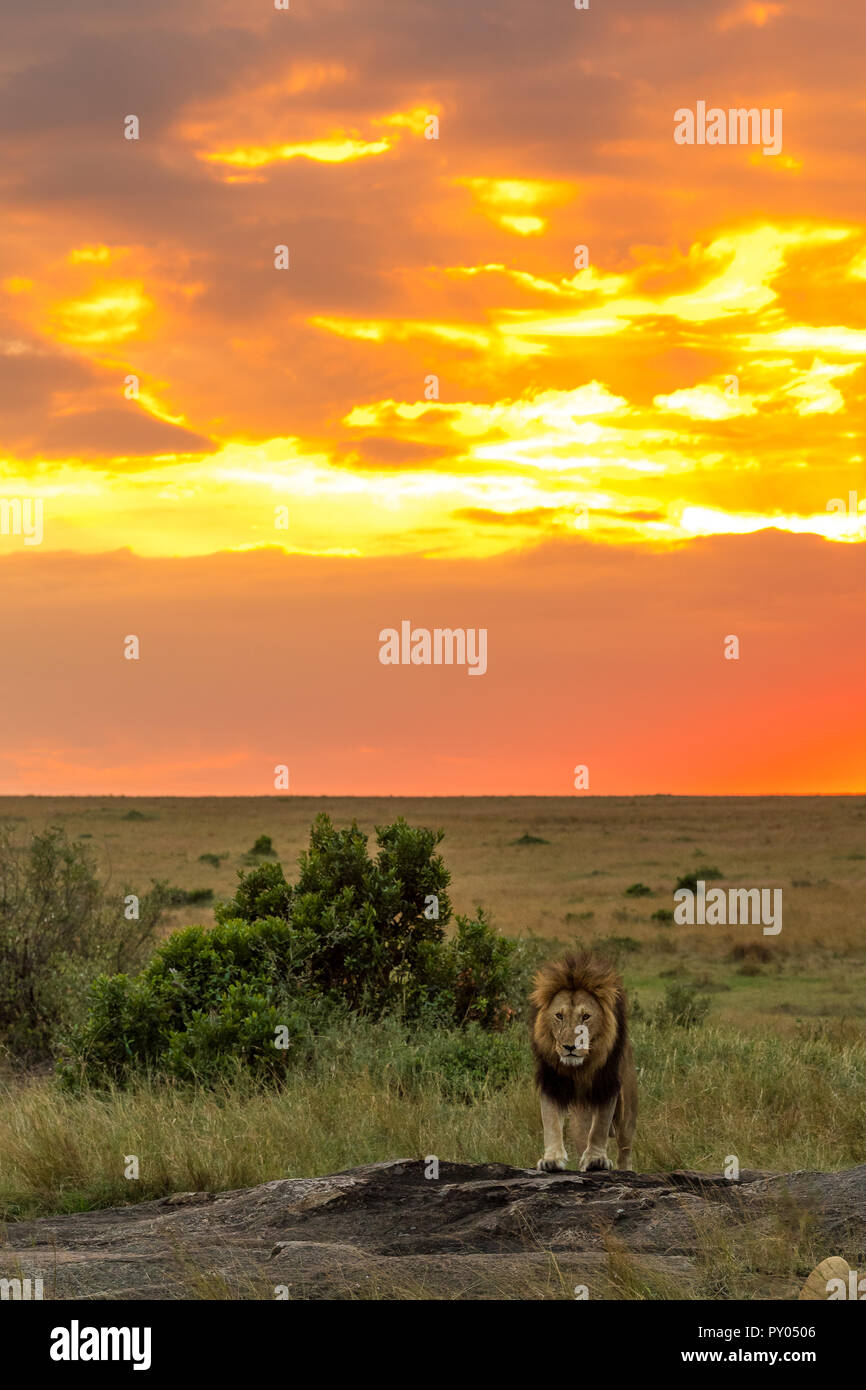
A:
<point x="418" y="312"/>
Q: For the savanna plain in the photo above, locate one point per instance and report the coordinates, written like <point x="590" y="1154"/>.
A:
<point x="746" y="1044"/>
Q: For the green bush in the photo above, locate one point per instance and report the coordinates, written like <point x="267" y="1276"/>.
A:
<point x="187" y="897"/>
<point x="353" y="934"/>
<point x="375" y="920"/>
<point x="59" y="928"/>
<point x="197" y="983"/>
<point x="464" y="1064"/>
<point x="484" y="973"/>
<point x="245" y="1028"/>
<point x="127" y="1028"/>
<point x="263" y="892"/>
<point x="690" y="880"/>
<point x="682" y="1007"/>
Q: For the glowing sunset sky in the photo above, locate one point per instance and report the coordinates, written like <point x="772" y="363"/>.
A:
<point x="623" y="465"/>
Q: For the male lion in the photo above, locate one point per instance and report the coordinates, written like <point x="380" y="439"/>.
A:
<point x="583" y="1061"/>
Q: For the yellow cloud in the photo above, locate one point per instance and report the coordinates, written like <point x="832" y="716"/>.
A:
<point x="98" y="255"/>
<point x="112" y="313"/>
<point x="523" y="226"/>
<point x="401" y="330"/>
<point x="752" y="260"/>
<point x="414" y="120"/>
<point x="336" y="149"/>
<point x="706" y="403"/>
<point x="709" y="521"/>
<point x="808" y="339"/>
<point x="587" y="281"/>
<point x="517" y="418"/>
<point x="513" y="203"/>
<point x="857" y="268"/>
<point x="814" y="391"/>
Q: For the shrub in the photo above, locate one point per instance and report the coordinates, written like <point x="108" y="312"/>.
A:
<point x="127" y="1028"/>
<point x="682" y="1007"/>
<point x="483" y="965"/>
<point x="196" y="966"/>
<point x="198" y="981"/>
<point x="183" y="897"/>
<point x="353" y="933"/>
<point x="244" y="1029"/>
<point x="690" y="880"/>
<point x="263" y="892"/>
<point x="263" y="845"/>
<point x="376" y="921"/>
<point x="637" y="890"/>
<point x="58" y="930"/>
<point x="751" y="951"/>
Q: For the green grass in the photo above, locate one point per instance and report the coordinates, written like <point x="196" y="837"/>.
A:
<point x="779" y="1103"/>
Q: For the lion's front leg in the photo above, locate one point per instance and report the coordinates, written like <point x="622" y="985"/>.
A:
<point x="595" y="1154"/>
<point x="552" y="1118"/>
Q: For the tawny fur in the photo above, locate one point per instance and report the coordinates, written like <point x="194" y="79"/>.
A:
<point x="599" y="1090"/>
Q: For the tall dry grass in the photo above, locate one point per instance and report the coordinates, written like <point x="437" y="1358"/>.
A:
<point x="777" y="1103"/>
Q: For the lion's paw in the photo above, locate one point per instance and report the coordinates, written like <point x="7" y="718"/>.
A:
<point x="594" y="1162"/>
<point x="551" y="1165"/>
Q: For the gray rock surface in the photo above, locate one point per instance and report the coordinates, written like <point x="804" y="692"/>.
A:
<point x="478" y="1231"/>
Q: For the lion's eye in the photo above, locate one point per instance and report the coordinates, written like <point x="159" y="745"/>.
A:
<point x="559" y="1018"/>
<point x="584" y="1018"/>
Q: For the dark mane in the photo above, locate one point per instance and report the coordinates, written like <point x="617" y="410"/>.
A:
<point x="564" y="1086"/>
<point x="598" y="977"/>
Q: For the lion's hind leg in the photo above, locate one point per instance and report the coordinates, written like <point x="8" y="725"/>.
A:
<point x="620" y="1131"/>
<point x="624" y="1125"/>
<point x="628" y="1103"/>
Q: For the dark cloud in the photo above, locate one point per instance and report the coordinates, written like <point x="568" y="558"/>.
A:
<point x="532" y="517"/>
<point x="398" y="453"/>
<point x="29" y="380"/>
<point x="115" y="434"/>
<point x="53" y="404"/>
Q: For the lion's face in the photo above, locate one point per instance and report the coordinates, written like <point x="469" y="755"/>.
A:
<point x="574" y="1022"/>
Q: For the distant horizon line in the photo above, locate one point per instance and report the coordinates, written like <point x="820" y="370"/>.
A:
<point x="413" y="796"/>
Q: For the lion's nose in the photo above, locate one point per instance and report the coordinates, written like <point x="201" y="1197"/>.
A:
<point x="570" y="1047"/>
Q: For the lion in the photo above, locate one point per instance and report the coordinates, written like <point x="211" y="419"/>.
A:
<point x="584" y="1063"/>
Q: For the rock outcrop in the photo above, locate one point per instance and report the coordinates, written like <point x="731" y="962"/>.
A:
<point x="479" y="1231"/>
